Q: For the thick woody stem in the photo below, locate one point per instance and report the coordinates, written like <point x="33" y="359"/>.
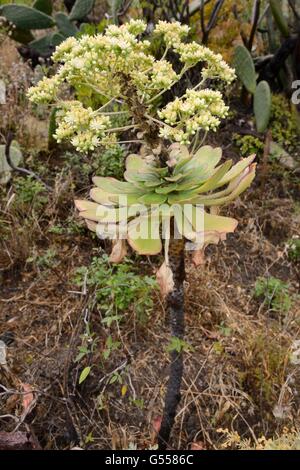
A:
<point x="149" y="128"/>
<point x="175" y="303"/>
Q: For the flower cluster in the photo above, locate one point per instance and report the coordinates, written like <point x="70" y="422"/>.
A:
<point x="173" y="33"/>
<point x="85" y="128"/>
<point x="101" y="69"/>
<point x="163" y="75"/>
<point x="196" y="110"/>
<point x="46" y="90"/>
<point x="215" y="67"/>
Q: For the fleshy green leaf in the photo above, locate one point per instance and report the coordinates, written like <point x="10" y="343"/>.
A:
<point x="81" y="9"/>
<point x="153" y="198"/>
<point x="232" y="192"/>
<point x="114" y="186"/>
<point x="244" y="67"/>
<point x="175" y="178"/>
<point x="211" y="183"/>
<point x="65" y="26"/>
<point x="262" y="105"/>
<point x="236" y="170"/>
<point x="102" y="197"/>
<point x="135" y="163"/>
<point x="43" y="5"/>
<point x="26" y="17"/>
<point x="184" y="196"/>
<point x="46" y="44"/>
<point x="183" y="224"/>
<point x="143" y="235"/>
<point x="167" y="189"/>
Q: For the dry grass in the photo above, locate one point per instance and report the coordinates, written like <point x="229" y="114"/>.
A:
<point x="237" y="377"/>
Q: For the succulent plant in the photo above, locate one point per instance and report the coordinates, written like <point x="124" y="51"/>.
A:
<point x="25" y="19"/>
<point x="262" y="105"/>
<point x="16" y="157"/>
<point x="279" y="18"/>
<point x="245" y="70"/>
<point x="244" y="67"/>
<point x="150" y="197"/>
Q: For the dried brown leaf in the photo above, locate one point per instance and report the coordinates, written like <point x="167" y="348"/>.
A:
<point x="165" y="279"/>
<point x="119" y="251"/>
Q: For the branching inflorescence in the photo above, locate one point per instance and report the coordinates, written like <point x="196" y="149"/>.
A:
<point x="118" y="64"/>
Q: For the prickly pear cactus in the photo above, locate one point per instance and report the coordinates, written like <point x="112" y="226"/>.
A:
<point x="262" y="105"/>
<point x="38" y="16"/>
<point x="16" y="157"/>
<point x="80" y="9"/>
<point x="24" y="17"/>
<point x="279" y="18"/>
<point x="43" y="5"/>
<point x="244" y="67"/>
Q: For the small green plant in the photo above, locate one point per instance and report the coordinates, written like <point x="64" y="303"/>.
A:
<point x="46" y="260"/>
<point x="261" y="92"/>
<point x="69" y="227"/>
<point x="116" y="378"/>
<point x="57" y="229"/>
<point x="138" y="402"/>
<point x="283" y="122"/>
<point x="117" y="289"/>
<point x="293" y="247"/>
<point x="178" y="345"/>
<point x="225" y="330"/>
<point x="249" y="144"/>
<point x="111" y="162"/>
<point x="29" y="192"/>
<point x="89" y="439"/>
<point x="25" y="19"/>
<point x="274" y="293"/>
<point x="107" y="162"/>
<point x="88" y="343"/>
<point x="110" y="346"/>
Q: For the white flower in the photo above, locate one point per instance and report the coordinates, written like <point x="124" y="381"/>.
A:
<point x="214" y="65"/>
<point x="101" y="68"/>
<point x="80" y="124"/>
<point x="196" y="110"/>
<point x="163" y="74"/>
<point x="46" y="90"/>
<point x="171" y="32"/>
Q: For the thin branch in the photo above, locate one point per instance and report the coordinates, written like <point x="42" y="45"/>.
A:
<point x="212" y="20"/>
<point x="214" y="15"/>
<point x="120" y="129"/>
<point x="255" y="20"/>
<point x="203" y="28"/>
